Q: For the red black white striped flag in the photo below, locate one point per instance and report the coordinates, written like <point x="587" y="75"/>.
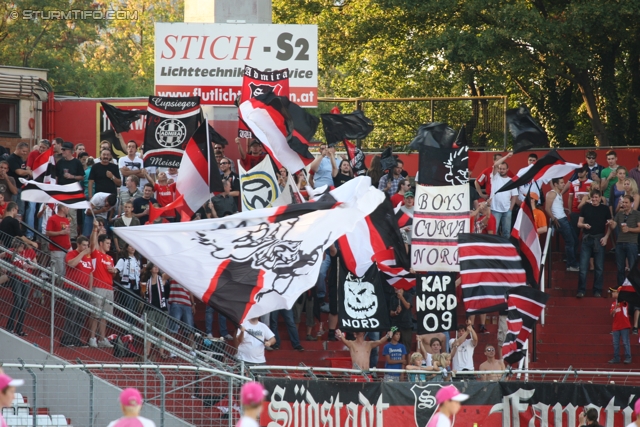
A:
<point x="198" y="178"/>
<point x="525" y="305"/>
<point x="524" y="236"/>
<point x="44" y="167"/>
<point x="489" y="266"/>
<point x="270" y="121"/>
<point x="71" y="195"/>
<point x="552" y="165"/>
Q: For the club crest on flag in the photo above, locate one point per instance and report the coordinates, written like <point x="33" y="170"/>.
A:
<point x="170" y="133"/>
<point x="425" y="402"/>
<point x="259" y="190"/>
<point x="265" y="248"/>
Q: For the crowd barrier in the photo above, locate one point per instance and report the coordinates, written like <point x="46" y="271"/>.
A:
<point x="312" y="403"/>
<point x="87" y="394"/>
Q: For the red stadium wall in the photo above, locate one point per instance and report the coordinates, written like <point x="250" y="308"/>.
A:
<point x="80" y="120"/>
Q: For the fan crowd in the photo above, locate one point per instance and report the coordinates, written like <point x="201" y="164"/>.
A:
<point x="600" y="216"/>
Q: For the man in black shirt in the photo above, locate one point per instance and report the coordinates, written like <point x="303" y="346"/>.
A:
<point x="594" y="221"/>
<point x="141" y="204"/>
<point x="11" y="226"/>
<point x="68" y="168"/>
<point x="8" y="187"/>
<point x="68" y="171"/>
<point x="105" y="175"/>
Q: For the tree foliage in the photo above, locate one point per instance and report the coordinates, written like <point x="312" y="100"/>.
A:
<point x="87" y="57"/>
<point x="576" y="64"/>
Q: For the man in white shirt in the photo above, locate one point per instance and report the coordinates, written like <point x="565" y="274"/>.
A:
<point x="462" y="347"/>
<point x="101" y="204"/>
<point x="502" y="203"/>
<point x="252" y="337"/>
<point x="131" y="165"/>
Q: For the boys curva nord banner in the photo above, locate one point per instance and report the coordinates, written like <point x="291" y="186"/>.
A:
<point x="297" y="403"/>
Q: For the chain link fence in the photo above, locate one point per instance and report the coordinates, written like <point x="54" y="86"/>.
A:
<point x="397" y="119"/>
<point x="87" y="394"/>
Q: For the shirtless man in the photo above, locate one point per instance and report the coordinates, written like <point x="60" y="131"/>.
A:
<point x="492" y="364"/>
<point x="360" y="349"/>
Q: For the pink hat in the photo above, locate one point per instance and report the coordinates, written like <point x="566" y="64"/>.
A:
<point x="130" y="397"/>
<point x="450" y="393"/>
<point x="636" y="407"/>
<point x="252" y="393"/>
<point x="6" y="381"/>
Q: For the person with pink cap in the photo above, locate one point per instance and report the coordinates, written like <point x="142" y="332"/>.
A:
<point x="636" y="410"/>
<point x="251" y="397"/>
<point x="7" y="393"/>
<point x="131" y="403"/>
<point x="449" y="399"/>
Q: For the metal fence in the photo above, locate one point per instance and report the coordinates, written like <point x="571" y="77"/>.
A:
<point x="397" y="119"/>
<point x="569" y="375"/>
<point x="87" y="394"/>
<point x="55" y="314"/>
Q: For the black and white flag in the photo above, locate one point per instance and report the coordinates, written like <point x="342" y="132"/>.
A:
<point x="170" y="124"/>
<point x="362" y="306"/>
<point x="436" y="302"/>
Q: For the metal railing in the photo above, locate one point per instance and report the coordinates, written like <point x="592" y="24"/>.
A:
<point x="87" y="394"/>
<point x="624" y="377"/>
<point x="45" y="321"/>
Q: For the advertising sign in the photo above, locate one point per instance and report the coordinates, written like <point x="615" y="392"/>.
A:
<point x="208" y="60"/>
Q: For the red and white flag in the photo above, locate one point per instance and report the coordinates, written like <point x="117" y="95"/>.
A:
<point x="44" y="167"/>
<point x="71" y="195"/>
<point x="198" y="178"/>
<point x="525" y="307"/>
<point x="271" y="123"/>
<point x="489" y="266"/>
<point x="251" y="263"/>
<point x="524" y="236"/>
<point x="552" y="165"/>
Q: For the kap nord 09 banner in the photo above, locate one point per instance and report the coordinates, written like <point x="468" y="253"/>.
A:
<point x="295" y="403"/>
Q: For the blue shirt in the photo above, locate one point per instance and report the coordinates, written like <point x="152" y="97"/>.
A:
<point x="395" y="352"/>
<point x="324" y="174"/>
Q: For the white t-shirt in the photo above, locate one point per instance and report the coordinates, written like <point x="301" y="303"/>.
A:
<point x="439" y="420"/>
<point x="132" y="422"/>
<point x="135" y="164"/>
<point x="463" y="358"/>
<point x="501" y="202"/>
<point x="247" y="422"/>
<point x="252" y="349"/>
<point x="99" y="200"/>
<point x="48" y="213"/>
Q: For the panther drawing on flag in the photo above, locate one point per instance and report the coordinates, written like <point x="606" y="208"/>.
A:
<point x="267" y="250"/>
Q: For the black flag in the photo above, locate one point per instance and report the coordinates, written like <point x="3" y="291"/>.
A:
<point x="121" y="119"/>
<point x="387" y="160"/>
<point x="443" y="166"/>
<point x="338" y="127"/>
<point x="361" y="302"/>
<point x="436" y="135"/>
<point x="527" y="133"/>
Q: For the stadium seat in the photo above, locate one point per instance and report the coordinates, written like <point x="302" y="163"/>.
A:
<point x="43" y="420"/>
<point x="58" y="420"/>
<point x="8" y="411"/>
<point x="12" y="420"/>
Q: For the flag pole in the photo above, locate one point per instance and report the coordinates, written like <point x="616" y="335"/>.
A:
<point x="206" y="121"/>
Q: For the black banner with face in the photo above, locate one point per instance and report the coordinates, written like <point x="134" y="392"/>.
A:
<point x="361" y="302"/>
